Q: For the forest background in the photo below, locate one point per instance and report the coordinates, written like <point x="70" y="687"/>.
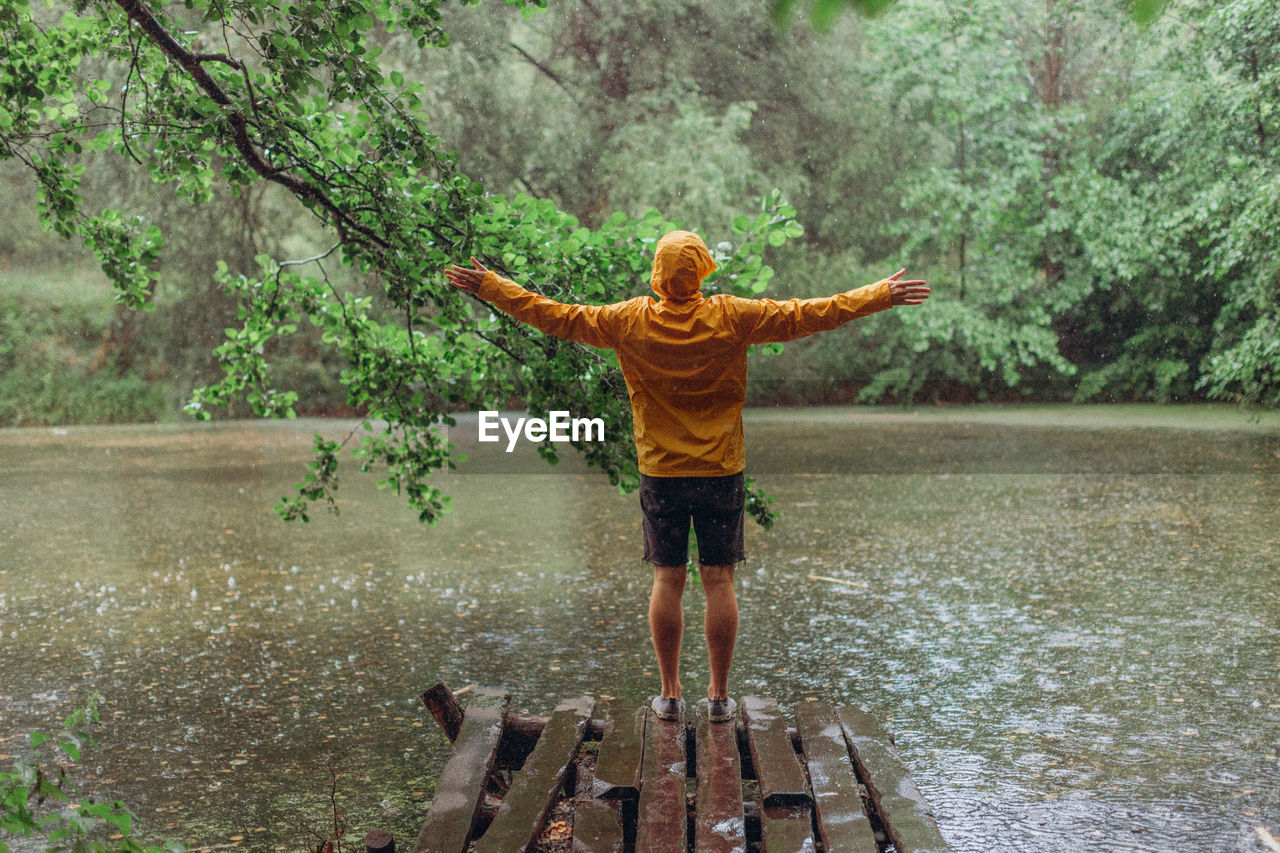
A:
<point x="1094" y="200"/>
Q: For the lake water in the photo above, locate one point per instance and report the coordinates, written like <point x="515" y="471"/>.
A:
<point x="1067" y="616"/>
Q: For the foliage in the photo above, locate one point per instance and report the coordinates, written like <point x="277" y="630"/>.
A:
<point x="65" y="824"/>
<point x="300" y="100"/>
<point x="1176" y="207"/>
<point x="824" y="12"/>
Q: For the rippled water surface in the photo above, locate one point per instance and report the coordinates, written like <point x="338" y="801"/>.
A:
<point x="1068" y="618"/>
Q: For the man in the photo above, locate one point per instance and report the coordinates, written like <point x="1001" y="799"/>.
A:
<point x="684" y="358"/>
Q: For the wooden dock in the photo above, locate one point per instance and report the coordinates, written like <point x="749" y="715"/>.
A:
<point x="609" y="777"/>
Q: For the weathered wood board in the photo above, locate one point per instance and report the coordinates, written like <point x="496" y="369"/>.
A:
<point x="842" y="823"/>
<point x="621" y="750"/>
<point x="777" y="766"/>
<point x="787" y="829"/>
<point x="447" y="827"/>
<point x="534" y="789"/>
<point x="597" y="824"/>
<point x="663" y="823"/>
<point x="719" y="826"/>
<point x="597" y="827"/>
<point x="906" y="816"/>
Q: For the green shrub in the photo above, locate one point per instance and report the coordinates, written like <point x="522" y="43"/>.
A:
<point x="46" y="369"/>
<point x="39" y="801"/>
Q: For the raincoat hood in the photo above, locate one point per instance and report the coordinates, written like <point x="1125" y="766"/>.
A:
<point x="680" y="263"/>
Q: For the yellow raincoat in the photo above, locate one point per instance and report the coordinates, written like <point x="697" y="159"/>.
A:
<point x="684" y="356"/>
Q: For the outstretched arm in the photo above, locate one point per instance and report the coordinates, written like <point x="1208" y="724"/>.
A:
<point x="588" y="324"/>
<point x="768" y="320"/>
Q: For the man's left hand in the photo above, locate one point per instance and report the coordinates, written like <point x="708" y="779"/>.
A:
<point x="907" y="292"/>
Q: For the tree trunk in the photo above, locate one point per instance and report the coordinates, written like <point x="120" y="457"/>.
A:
<point x="119" y="348"/>
<point x="1051" y="68"/>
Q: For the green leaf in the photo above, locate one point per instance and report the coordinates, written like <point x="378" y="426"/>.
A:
<point x="71" y="748"/>
<point x="1146" y="11"/>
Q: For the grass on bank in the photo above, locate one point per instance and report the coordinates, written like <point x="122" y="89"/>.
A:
<point x="52" y="325"/>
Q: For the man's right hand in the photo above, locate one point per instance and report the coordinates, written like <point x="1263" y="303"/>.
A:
<point x="910" y="292"/>
<point x="465" y="278"/>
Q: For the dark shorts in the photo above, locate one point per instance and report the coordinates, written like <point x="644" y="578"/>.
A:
<point x="713" y="504"/>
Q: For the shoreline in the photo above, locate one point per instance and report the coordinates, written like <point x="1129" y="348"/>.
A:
<point x="1175" y="416"/>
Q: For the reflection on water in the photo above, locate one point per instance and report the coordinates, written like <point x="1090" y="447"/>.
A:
<point x="1071" y="629"/>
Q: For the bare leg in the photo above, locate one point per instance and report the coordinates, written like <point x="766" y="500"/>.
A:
<point x="721" y="625"/>
<point x="666" y="623"/>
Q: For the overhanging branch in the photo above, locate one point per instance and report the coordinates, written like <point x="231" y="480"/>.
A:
<point x="193" y="65"/>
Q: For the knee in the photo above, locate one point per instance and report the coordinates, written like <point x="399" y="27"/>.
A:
<point x="716" y="576"/>
<point x="669" y="579"/>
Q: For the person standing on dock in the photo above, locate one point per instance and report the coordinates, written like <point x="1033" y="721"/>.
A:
<point x="684" y="358"/>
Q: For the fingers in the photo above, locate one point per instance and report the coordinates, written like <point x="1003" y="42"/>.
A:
<point x="896" y="275"/>
<point x="467" y="278"/>
<point x="909" y="292"/>
<point x="464" y="278"/>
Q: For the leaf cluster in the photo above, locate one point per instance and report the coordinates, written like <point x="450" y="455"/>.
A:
<point x="38" y="799"/>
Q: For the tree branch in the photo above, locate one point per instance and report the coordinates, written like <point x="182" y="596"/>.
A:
<point x="193" y="65"/>
<point x="124" y="94"/>
<point x="524" y="54"/>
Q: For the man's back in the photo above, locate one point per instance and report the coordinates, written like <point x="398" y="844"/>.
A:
<point x="683" y="355"/>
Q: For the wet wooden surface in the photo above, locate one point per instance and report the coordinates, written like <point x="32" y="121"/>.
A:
<point x="597" y="823"/>
<point x="663" y="824"/>
<point x="842" y="823"/>
<point x="597" y="827"/>
<point x="817" y="784"/>
<point x="621" y="750"/>
<point x="536" y="785"/>
<point x="447" y="827"/>
<point x="787" y="829"/>
<point x="908" y="819"/>
<point x="776" y="764"/>
<point x="719" y="826"/>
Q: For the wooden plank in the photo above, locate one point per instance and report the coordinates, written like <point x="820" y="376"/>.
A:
<point x="533" y="791"/>
<point x="444" y="706"/>
<point x="774" y="758"/>
<point x="460" y="790"/>
<point x="663" y="823"/>
<point x="719" y="826"/>
<point x="597" y="824"/>
<point x="842" y="824"/>
<point x="906" y="817"/>
<point x="621" y="751"/>
<point x="787" y="829"/>
<point x="597" y="827"/>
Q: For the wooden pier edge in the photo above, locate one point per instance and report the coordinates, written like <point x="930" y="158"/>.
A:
<point x="780" y="811"/>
